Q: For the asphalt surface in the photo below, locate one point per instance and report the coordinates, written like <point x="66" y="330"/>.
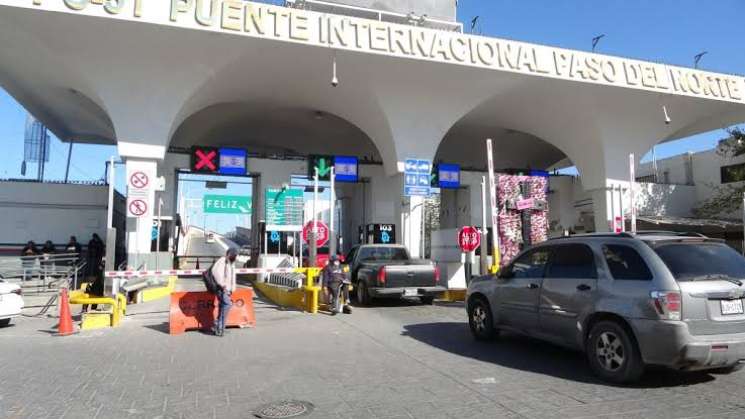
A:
<point x="398" y="360"/>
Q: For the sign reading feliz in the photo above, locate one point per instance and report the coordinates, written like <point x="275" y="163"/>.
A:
<point x="226" y="204"/>
<point x="343" y="32"/>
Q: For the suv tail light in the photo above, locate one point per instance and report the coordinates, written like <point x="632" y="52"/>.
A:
<point x="437" y="274"/>
<point x="381" y="275"/>
<point x="667" y="303"/>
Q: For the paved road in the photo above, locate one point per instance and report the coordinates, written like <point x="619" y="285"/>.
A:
<point x="402" y="360"/>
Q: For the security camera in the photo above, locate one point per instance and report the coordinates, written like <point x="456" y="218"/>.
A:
<point x="334" y="81"/>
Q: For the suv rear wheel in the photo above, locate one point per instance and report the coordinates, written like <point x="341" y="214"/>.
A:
<point x="613" y="354"/>
<point x="480" y="320"/>
<point x="4" y="322"/>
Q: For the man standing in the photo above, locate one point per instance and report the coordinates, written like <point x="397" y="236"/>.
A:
<point x="223" y="270"/>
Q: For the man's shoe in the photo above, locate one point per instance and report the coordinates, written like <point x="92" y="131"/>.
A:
<point x="347" y="309"/>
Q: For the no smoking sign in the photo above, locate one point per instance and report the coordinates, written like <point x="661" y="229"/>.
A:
<point x="140" y="191"/>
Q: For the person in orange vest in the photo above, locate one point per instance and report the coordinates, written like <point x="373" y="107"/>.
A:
<point x="223" y="270"/>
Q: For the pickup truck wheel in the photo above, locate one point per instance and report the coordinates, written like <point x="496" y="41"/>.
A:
<point x="480" y="320"/>
<point x="427" y="300"/>
<point x="363" y="295"/>
<point x="4" y="322"/>
<point x="613" y="354"/>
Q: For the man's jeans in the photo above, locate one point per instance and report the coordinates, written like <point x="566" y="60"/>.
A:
<point x="334" y="295"/>
<point x="223" y="298"/>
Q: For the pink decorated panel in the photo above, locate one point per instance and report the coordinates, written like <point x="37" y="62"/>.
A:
<point x="512" y="202"/>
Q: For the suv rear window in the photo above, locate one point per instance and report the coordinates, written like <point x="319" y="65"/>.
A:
<point x="625" y="263"/>
<point x="692" y="261"/>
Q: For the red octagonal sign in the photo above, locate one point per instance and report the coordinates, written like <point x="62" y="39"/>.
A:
<point x="323" y="232"/>
<point x="469" y="238"/>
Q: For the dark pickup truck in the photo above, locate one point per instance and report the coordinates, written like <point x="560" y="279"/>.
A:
<point x="387" y="271"/>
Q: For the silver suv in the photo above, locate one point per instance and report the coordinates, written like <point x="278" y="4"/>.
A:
<point x="656" y="298"/>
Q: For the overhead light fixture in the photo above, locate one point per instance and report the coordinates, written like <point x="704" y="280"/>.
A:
<point x="667" y="117"/>
<point x="334" y="78"/>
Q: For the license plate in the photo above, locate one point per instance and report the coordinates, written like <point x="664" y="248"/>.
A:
<point x="732" y="307"/>
<point x="411" y="292"/>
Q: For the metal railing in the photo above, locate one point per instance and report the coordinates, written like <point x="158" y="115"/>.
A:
<point x="47" y="270"/>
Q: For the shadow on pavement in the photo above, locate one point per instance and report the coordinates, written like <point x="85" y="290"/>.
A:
<point x="527" y="354"/>
<point x="160" y="327"/>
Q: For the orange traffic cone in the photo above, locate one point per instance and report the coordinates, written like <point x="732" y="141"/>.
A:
<point x="64" y="327"/>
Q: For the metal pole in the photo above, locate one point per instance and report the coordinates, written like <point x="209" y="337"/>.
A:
<point x="484" y="259"/>
<point x="110" y="213"/>
<point x="743" y="223"/>
<point x="332" y="206"/>
<point x="423" y="234"/>
<point x="69" y="155"/>
<point x="654" y="162"/>
<point x="157" y="234"/>
<point x="313" y="249"/>
<point x="632" y="197"/>
<point x="494" y="209"/>
<point x="620" y="204"/>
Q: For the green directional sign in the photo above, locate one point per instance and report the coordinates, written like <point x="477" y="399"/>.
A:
<point x="226" y="204"/>
<point x="323" y="164"/>
<point x="284" y="206"/>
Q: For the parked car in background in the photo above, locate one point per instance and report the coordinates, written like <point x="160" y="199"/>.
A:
<point x="387" y="271"/>
<point x="11" y="302"/>
<point x="627" y="301"/>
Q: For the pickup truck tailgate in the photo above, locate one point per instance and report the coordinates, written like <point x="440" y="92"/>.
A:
<point x="400" y="276"/>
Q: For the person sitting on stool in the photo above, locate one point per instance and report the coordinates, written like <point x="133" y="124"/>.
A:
<point x="336" y="286"/>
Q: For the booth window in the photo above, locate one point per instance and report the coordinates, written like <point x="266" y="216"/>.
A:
<point x="733" y="173"/>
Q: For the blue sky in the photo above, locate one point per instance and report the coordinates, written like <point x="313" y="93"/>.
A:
<point x="670" y="31"/>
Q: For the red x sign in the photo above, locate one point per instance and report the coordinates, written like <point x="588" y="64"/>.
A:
<point x="204" y="159"/>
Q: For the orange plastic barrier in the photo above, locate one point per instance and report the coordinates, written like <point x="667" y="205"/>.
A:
<point x="198" y="310"/>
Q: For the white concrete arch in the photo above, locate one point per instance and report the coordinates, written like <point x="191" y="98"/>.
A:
<point x="54" y="87"/>
<point x="281" y="81"/>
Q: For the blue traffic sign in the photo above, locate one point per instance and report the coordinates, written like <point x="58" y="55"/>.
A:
<point x="274" y="237"/>
<point x="416" y="177"/>
<point x="449" y="176"/>
<point x="346" y="169"/>
<point x="154" y="233"/>
<point x="233" y="161"/>
<point x="385" y="237"/>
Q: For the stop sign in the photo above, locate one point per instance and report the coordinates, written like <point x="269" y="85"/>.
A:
<point x="323" y="232"/>
<point x="469" y="238"/>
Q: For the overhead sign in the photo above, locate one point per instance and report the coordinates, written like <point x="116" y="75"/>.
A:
<point x="448" y="176"/>
<point x="233" y="161"/>
<point x="226" y="204"/>
<point x="321" y="229"/>
<point x="283" y="207"/>
<point x="346" y="169"/>
<point x="321" y="163"/>
<point x="205" y="160"/>
<point x="244" y="18"/>
<point x="469" y="239"/>
<point x="140" y="189"/>
<point x="417" y="177"/>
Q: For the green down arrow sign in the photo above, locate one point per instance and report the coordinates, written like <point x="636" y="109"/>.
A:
<point x="321" y="163"/>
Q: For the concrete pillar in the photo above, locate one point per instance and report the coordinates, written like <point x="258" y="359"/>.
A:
<point x="139" y="229"/>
